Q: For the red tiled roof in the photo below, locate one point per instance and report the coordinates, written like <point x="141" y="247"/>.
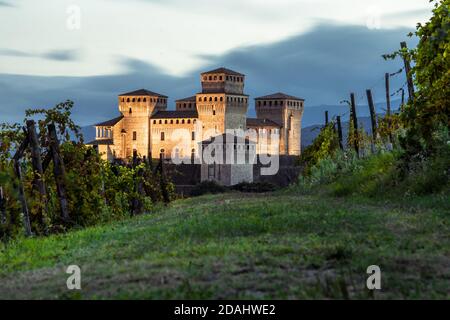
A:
<point x="109" y="123"/>
<point x="225" y="71"/>
<point x="254" y="122"/>
<point x="142" y="92"/>
<point x="279" y="96"/>
<point x="175" y="114"/>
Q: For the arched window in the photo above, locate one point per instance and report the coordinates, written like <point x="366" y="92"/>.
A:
<point x="145" y="99"/>
<point x="214" y="112"/>
<point x="215" y="77"/>
<point x="134" y="100"/>
<point x="154" y="121"/>
<point x="178" y="121"/>
<point x="210" y="98"/>
<point x="130" y="111"/>
<point x="182" y="121"/>
<point x="165" y="122"/>
<point x="189" y="121"/>
<point x="139" y="99"/>
<point x="220" y="78"/>
<point x="160" y="121"/>
<point x="215" y="99"/>
<point x="163" y="136"/>
<point x="128" y="100"/>
<point x="210" y="78"/>
<point x="193" y="155"/>
<point x="221" y="98"/>
<point x="171" y="121"/>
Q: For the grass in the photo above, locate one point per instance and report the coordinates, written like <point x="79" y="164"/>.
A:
<point x="280" y="245"/>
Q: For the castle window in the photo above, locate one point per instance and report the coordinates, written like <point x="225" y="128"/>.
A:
<point x="154" y="121"/>
<point x="162" y="136"/>
<point x="184" y="105"/>
<point x="215" y="99"/>
<point x="134" y="135"/>
<point x="171" y="121"/>
<point x="134" y="100"/>
<point x="210" y="98"/>
<point x="193" y="136"/>
<point x="210" y="78"/>
<point x="139" y="99"/>
<point x="215" y="77"/>
<point x="145" y="100"/>
<point x="162" y="154"/>
<point x="160" y="121"/>
<point x="214" y="112"/>
<point x="178" y="121"/>
<point x="221" y="98"/>
<point x="123" y="99"/>
<point x="130" y="111"/>
<point x="228" y="78"/>
<point x="259" y="103"/>
<point x="220" y="78"/>
<point x="205" y="78"/>
<point x="128" y="100"/>
<point x="194" y="121"/>
<point x="264" y="102"/>
<point x="270" y="103"/>
<point x="189" y="121"/>
<point x="165" y="122"/>
<point x="182" y="121"/>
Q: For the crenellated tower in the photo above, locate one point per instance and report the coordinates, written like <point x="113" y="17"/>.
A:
<point x="222" y="103"/>
<point x="287" y="111"/>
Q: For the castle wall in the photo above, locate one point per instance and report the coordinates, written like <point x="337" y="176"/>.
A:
<point x="183" y="140"/>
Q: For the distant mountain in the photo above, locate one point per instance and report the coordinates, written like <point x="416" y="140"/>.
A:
<point x="88" y="133"/>
<point x="316" y="114"/>
<point x="311" y="132"/>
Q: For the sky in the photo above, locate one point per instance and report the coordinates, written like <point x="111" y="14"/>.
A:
<point x="92" y="50"/>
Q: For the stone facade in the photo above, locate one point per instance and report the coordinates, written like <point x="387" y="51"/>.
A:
<point x="146" y="128"/>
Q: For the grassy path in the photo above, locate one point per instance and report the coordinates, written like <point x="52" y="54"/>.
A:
<point x="280" y="245"/>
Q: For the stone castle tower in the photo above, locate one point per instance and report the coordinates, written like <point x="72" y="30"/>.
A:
<point x="145" y="126"/>
<point x="222" y="103"/>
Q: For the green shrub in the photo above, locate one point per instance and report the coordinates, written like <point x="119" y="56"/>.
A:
<point x="207" y="187"/>
<point x="255" y="187"/>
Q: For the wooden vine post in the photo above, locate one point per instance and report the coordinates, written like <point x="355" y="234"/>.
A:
<point x="326" y="118"/>
<point x="339" y="127"/>
<point x="373" y="119"/>
<point x="355" y="123"/>
<point x="18" y="172"/>
<point x="59" y="172"/>
<point x="38" y="170"/>
<point x="408" y="72"/>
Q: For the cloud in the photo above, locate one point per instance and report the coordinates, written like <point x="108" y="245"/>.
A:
<point x="323" y="66"/>
<point x="55" y="55"/>
<point x="6" y="4"/>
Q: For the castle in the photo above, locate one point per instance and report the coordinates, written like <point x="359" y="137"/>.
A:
<point x="145" y="127"/>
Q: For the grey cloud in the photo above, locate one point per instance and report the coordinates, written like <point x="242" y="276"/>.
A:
<point x="322" y="66"/>
<point x="6" y="4"/>
<point x="56" y="55"/>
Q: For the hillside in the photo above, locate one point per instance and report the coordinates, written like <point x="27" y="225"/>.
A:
<point x="228" y="246"/>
